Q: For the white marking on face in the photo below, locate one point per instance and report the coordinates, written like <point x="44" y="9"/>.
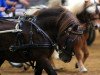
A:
<point x="91" y="9"/>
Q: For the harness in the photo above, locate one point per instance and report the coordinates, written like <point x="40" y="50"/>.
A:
<point x="31" y="44"/>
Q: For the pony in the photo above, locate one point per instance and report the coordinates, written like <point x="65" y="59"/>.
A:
<point x="90" y="17"/>
<point x="87" y="12"/>
<point x="34" y="38"/>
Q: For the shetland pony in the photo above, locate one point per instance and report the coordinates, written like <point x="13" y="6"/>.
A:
<point x="78" y="7"/>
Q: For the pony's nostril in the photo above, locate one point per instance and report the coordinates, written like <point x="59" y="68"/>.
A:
<point x="97" y="26"/>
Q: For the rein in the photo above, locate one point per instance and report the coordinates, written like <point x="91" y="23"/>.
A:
<point x="10" y="31"/>
<point x="40" y="30"/>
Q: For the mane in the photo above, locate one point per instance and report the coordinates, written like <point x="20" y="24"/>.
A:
<point x="34" y="9"/>
<point x="75" y="7"/>
<point x="50" y="12"/>
<point x="66" y="20"/>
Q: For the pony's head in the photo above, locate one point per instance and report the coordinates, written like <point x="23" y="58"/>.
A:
<point x="90" y="7"/>
<point x="91" y="13"/>
<point x="93" y="8"/>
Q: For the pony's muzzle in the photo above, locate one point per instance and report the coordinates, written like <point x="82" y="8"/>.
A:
<point x="65" y="57"/>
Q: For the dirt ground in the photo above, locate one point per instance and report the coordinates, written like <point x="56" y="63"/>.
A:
<point x="92" y="64"/>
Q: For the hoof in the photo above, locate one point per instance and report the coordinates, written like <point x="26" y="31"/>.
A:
<point x="82" y="69"/>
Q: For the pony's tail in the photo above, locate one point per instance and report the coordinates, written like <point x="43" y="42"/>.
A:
<point x="54" y="3"/>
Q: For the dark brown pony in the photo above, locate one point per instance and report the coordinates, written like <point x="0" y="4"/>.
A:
<point x="38" y="37"/>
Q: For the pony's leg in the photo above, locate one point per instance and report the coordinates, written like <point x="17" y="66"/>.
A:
<point x="38" y="68"/>
<point x="46" y="64"/>
<point x="48" y="68"/>
<point x="1" y="61"/>
<point x="79" y="56"/>
<point x="85" y="52"/>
